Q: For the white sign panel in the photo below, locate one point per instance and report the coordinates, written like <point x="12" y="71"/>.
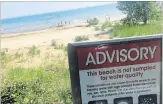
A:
<point x="126" y="73"/>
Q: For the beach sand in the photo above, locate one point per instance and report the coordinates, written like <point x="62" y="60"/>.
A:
<point x="62" y="35"/>
<point x="20" y="43"/>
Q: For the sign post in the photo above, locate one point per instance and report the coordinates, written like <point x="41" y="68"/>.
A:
<point x="120" y="71"/>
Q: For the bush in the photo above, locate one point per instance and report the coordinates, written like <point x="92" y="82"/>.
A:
<point x="117" y="24"/>
<point x="57" y="46"/>
<point x="97" y="29"/>
<point x="60" y="46"/>
<point x="3" y="55"/>
<point x="66" y="96"/>
<point x="129" y="21"/>
<point x="93" y="21"/>
<point x="18" y="55"/>
<point x="53" y="43"/>
<point x="5" y="58"/>
<point x="36" y="86"/>
<point x="138" y="30"/>
<point x="106" y="25"/>
<point x="33" y="51"/>
<point x="81" y="38"/>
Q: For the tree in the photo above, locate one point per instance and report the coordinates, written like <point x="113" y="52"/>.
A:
<point x="156" y="11"/>
<point x="139" y="11"/>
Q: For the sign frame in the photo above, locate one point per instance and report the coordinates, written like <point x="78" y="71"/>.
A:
<point x="73" y="59"/>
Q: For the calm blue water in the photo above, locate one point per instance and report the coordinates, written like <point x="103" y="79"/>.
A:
<point x="47" y="20"/>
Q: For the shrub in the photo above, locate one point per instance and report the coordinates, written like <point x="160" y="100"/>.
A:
<point x="53" y="43"/>
<point x="5" y="58"/>
<point x="97" y="28"/>
<point x="138" y="30"/>
<point x="81" y="38"/>
<point x="45" y="84"/>
<point x="117" y="24"/>
<point x="33" y="51"/>
<point x="129" y="21"/>
<point x="60" y="46"/>
<point x="57" y="46"/>
<point x="93" y="21"/>
<point x="66" y="96"/>
<point x="3" y="55"/>
<point x="36" y="86"/>
<point x="106" y="25"/>
<point x="18" y="55"/>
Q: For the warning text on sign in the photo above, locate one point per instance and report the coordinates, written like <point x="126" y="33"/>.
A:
<point x="122" y="73"/>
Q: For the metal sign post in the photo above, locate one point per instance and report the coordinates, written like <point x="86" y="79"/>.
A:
<point x="119" y="71"/>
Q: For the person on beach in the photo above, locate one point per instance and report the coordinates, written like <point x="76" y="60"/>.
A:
<point x="107" y="18"/>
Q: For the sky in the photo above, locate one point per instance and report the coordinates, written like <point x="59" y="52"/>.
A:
<point x="17" y="9"/>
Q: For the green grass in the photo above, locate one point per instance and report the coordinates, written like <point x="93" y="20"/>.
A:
<point x="38" y="85"/>
<point x="106" y="25"/>
<point x="97" y="28"/>
<point x="5" y="58"/>
<point x="18" y="55"/>
<point x="44" y="84"/>
<point x="53" y="43"/>
<point x="139" y="30"/>
<point x="81" y="38"/>
<point x="3" y="55"/>
<point x="57" y="46"/>
<point x="33" y="51"/>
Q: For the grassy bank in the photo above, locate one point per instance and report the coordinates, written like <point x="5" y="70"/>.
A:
<point x="36" y="86"/>
<point x="139" y="30"/>
<point x="38" y="75"/>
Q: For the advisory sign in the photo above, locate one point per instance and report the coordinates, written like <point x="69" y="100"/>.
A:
<point x="121" y="71"/>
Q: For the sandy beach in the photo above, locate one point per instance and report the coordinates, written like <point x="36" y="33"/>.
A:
<point x="62" y="35"/>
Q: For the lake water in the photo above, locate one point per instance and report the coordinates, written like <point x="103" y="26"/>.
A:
<point x="47" y="20"/>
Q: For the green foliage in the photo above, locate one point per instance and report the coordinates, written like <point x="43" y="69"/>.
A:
<point x="33" y="51"/>
<point x="65" y="49"/>
<point x="5" y="58"/>
<point x="46" y="83"/>
<point x="66" y="96"/>
<point x="106" y="25"/>
<point x="156" y="12"/>
<point x="81" y="38"/>
<point x="18" y="55"/>
<point x="53" y="43"/>
<point x="139" y="11"/>
<point x="57" y="46"/>
<point x="3" y="55"/>
<point x="117" y="24"/>
<point x="36" y="86"/>
<point x="93" y="21"/>
<point x="138" y="30"/>
<point x="97" y="29"/>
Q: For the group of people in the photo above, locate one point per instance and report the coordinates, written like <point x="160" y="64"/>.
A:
<point x="107" y="18"/>
<point x="63" y="23"/>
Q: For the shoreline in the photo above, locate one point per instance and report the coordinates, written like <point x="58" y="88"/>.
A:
<point x="78" y="23"/>
<point x="9" y="35"/>
<point x="62" y="35"/>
